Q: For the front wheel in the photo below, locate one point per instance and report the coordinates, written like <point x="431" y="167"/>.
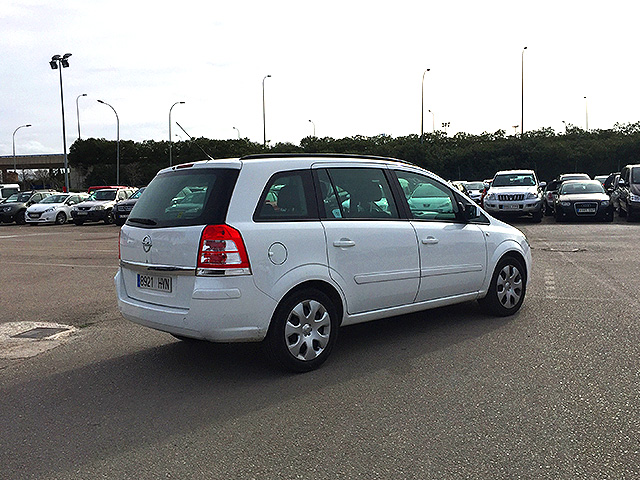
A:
<point x="61" y="218"/>
<point x="108" y="220"/>
<point x="303" y="331"/>
<point x="507" y="288"/>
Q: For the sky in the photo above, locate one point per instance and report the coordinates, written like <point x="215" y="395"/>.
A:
<point x="351" y="67"/>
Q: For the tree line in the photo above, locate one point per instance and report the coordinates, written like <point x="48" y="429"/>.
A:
<point x="459" y="157"/>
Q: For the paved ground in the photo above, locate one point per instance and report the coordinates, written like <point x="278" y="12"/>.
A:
<point x="552" y="392"/>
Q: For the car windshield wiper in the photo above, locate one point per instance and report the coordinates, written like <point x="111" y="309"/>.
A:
<point x="144" y="221"/>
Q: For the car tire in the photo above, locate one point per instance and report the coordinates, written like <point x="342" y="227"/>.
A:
<point x="77" y="223"/>
<point x="537" y="217"/>
<point x="108" y="219"/>
<point x="20" y="220"/>
<point x="507" y="289"/>
<point x="119" y="222"/>
<point x="548" y="211"/>
<point x="61" y="218"/>
<point x="303" y="331"/>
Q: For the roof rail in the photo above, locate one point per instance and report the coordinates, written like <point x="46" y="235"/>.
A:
<point x="323" y="155"/>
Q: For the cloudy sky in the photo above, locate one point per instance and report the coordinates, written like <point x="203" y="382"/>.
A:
<point x="352" y="67"/>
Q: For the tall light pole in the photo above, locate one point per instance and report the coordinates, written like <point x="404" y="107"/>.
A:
<point x="433" y="122"/>
<point x="78" y="112"/>
<point x="586" y="114"/>
<point x="264" y="117"/>
<point x="117" y="141"/>
<point x="237" y="131"/>
<point x="314" y="128"/>
<point x="14" y="145"/>
<point x="422" y="108"/>
<point x="58" y="63"/>
<point x="170" y="139"/>
<point x="522" y="103"/>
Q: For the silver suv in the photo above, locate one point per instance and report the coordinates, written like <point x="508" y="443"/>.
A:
<point x="515" y="193"/>
<point x="285" y="249"/>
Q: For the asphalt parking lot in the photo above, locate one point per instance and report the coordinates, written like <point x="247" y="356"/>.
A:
<point x="552" y="392"/>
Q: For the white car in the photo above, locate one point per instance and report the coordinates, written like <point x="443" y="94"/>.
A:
<point x="515" y="193"/>
<point x="55" y="208"/>
<point x="271" y="251"/>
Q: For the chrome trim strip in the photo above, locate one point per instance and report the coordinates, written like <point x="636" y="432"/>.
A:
<point x="146" y="267"/>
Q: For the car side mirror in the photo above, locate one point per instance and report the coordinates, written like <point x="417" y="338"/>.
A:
<point x="468" y="212"/>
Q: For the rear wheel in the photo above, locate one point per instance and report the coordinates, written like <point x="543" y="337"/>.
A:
<point x="303" y="331"/>
<point x="20" y="220"/>
<point x="507" y="288"/>
<point x="77" y="223"/>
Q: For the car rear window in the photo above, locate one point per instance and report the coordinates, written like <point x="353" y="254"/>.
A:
<point x="185" y="198"/>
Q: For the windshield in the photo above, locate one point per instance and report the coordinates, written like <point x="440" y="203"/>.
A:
<point x="635" y="175"/>
<point x="12" y="198"/>
<point x="54" y="199"/>
<point x="103" y="195"/>
<point x="514" y="180"/>
<point x="576" y="188"/>
<point x="137" y="194"/>
<point x="187" y="197"/>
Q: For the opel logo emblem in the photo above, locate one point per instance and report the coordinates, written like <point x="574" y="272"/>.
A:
<point x="146" y="244"/>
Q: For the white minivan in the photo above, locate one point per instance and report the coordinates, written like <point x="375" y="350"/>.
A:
<point x="285" y="249"/>
<point x="8" y="189"/>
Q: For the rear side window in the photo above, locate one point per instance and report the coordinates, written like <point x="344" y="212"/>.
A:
<point x="184" y="198"/>
<point x="357" y="193"/>
<point x="287" y="196"/>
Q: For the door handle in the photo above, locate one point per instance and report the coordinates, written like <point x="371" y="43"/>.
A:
<point x="430" y="240"/>
<point x="344" y="242"/>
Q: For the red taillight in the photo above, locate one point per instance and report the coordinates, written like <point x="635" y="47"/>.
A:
<point x="221" y="246"/>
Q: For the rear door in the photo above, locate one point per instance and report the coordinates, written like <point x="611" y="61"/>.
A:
<point x="372" y="252"/>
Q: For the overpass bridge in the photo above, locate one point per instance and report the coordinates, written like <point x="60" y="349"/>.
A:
<point x="30" y="162"/>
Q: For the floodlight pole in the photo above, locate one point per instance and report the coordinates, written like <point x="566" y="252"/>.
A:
<point x="58" y="63"/>
<point x="264" y="116"/>
<point x="14" y="146"/>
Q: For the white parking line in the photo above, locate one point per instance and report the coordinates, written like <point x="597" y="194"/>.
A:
<point x="38" y="264"/>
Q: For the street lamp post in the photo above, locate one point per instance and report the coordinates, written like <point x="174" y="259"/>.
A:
<point x="58" y="63"/>
<point x="264" y="117"/>
<point x="237" y="131"/>
<point x="14" y="145"/>
<point x="117" y="141"/>
<point x="522" y="98"/>
<point x="433" y="122"/>
<point x="314" y="128"/>
<point x="170" y="139"/>
<point x="586" y="114"/>
<point x="78" y="112"/>
<point x="422" y="108"/>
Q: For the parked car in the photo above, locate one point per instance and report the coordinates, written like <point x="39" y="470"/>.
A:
<point x="551" y="190"/>
<point x="99" y="206"/>
<point x="14" y="207"/>
<point x="123" y="207"/>
<point x="583" y="199"/>
<point x="8" y="189"/>
<point x="271" y="251"/>
<point x="515" y="193"/>
<point x="627" y="193"/>
<point x="474" y="190"/>
<point x="55" y="208"/>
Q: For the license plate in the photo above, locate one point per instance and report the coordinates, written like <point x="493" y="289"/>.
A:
<point x="80" y="212"/>
<point x="152" y="282"/>
<point x="586" y="210"/>
<point x="512" y="207"/>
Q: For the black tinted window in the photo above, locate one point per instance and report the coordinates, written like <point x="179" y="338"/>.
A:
<point x="186" y="197"/>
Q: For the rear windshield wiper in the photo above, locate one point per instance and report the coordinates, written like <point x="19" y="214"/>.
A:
<point x="144" y="221"/>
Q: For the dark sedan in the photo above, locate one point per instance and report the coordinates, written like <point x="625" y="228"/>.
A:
<point x="583" y="199"/>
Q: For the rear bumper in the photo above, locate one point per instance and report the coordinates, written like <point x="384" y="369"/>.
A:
<point x="241" y="313"/>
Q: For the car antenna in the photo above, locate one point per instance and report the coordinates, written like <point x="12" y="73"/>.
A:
<point x="194" y="141"/>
